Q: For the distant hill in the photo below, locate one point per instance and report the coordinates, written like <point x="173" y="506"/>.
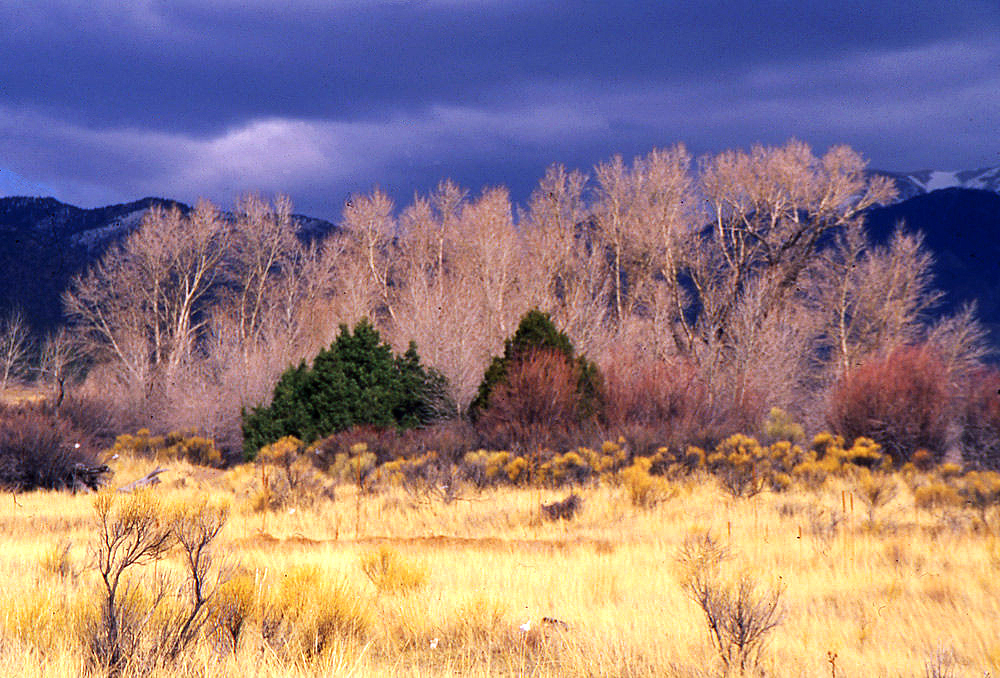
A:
<point x="44" y="243"/>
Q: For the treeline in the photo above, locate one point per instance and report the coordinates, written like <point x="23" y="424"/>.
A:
<point x="747" y="275"/>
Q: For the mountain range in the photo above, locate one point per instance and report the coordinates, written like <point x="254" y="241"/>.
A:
<point x="44" y="242"/>
<point x="913" y="184"/>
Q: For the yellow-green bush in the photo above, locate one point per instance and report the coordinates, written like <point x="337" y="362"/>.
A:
<point x="813" y="472"/>
<point x="235" y="604"/>
<point x="980" y="490"/>
<point x="290" y="457"/>
<point x="936" y="496"/>
<point x="405" y="470"/>
<point x="866" y="453"/>
<point x="486" y="468"/>
<point x="178" y="445"/>
<point x="875" y="489"/>
<point x="565" y="469"/>
<point x="781" y="426"/>
<point x="645" y="490"/>
<point x="308" y="613"/>
<point x="355" y="466"/>
<point x="390" y="572"/>
<point x="829" y="458"/>
<point x="287" y="475"/>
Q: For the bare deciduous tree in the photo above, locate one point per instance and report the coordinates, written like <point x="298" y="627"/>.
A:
<point x="369" y="227"/>
<point x="15" y="337"/>
<point x="879" y="296"/>
<point x="566" y="273"/>
<point x="58" y="361"/>
<point x="769" y="210"/>
<point x="263" y="244"/>
<point x="143" y="305"/>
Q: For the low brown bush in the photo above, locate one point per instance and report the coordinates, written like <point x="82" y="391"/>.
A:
<point x="565" y="509"/>
<point x="40" y="449"/>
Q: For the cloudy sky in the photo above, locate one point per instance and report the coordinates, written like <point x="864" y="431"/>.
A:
<point x="107" y="101"/>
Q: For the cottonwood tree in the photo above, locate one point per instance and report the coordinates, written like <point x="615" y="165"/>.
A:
<point x="58" y="361"/>
<point x="618" y="220"/>
<point x="747" y="269"/>
<point x="665" y="216"/>
<point x="271" y="306"/>
<point x="770" y="209"/>
<point x="566" y="274"/>
<point x="487" y="253"/>
<point x="368" y="229"/>
<point x="264" y="244"/>
<point x="15" y="339"/>
<point x="444" y="248"/>
<point x="143" y="305"/>
<point x="878" y="296"/>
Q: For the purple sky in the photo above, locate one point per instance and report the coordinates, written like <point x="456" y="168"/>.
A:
<point x="321" y="98"/>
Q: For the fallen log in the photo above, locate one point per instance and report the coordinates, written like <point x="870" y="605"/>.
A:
<point x="147" y="480"/>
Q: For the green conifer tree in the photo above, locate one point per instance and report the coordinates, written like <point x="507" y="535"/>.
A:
<point x="356" y="381"/>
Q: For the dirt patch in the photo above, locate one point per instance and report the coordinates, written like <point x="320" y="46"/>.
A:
<point x="438" y="541"/>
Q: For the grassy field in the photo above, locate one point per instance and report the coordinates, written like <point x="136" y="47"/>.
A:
<point x="404" y="583"/>
<point x="17" y="394"/>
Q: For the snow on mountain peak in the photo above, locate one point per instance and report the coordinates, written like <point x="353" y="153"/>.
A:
<point x="940" y="180"/>
<point x="911" y="184"/>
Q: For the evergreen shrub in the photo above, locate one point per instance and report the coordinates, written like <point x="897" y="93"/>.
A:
<point x="357" y="381"/>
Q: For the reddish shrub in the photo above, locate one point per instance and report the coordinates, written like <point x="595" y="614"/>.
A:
<point x="901" y="401"/>
<point x="537" y="406"/>
<point x="980" y="419"/>
<point x="653" y="403"/>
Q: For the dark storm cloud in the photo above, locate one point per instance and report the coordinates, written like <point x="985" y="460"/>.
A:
<point x="317" y="98"/>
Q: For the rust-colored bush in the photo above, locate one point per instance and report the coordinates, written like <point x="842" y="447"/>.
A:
<point x="980" y="419"/>
<point x="902" y="402"/>
<point x="653" y="403"/>
<point x="537" y="406"/>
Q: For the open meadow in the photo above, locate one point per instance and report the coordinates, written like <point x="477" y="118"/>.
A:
<point x="478" y="581"/>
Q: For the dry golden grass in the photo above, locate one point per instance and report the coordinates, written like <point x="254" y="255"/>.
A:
<point x="404" y="584"/>
<point x="17" y="394"/>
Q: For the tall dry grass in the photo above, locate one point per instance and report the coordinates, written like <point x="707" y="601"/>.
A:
<point x="390" y="582"/>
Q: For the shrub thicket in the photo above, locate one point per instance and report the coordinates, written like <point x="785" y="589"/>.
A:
<point x="653" y="403"/>
<point x="40" y="449"/>
<point x="980" y="419"/>
<point x="902" y="402"/>
<point x="356" y="381"/>
<point x="538" y="393"/>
